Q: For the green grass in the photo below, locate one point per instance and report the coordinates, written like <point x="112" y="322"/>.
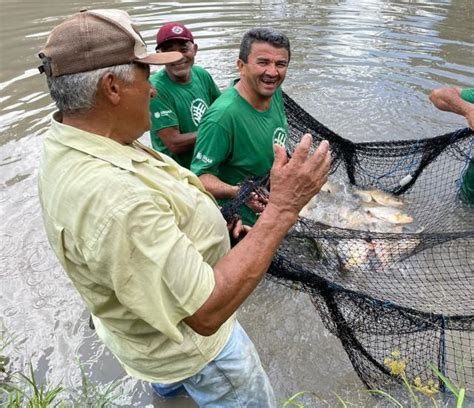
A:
<point x="419" y="395"/>
<point x="19" y="390"/>
<point x="22" y="390"/>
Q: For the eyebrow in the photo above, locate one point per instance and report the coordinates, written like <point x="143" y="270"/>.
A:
<point x="265" y="59"/>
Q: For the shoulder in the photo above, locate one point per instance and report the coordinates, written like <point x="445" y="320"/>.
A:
<point x="196" y="69"/>
<point x="225" y="106"/>
<point x="87" y="197"/>
<point x="158" y="76"/>
<point x="229" y="99"/>
<point x="201" y="74"/>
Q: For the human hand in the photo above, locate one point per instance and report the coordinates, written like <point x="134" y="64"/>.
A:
<point x="256" y="202"/>
<point x="237" y="230"/>
<point x="295" y="181"/>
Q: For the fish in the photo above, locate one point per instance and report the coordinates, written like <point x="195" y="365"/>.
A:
<point x="365" y="196"/>
<point x="341" y="206"/>
<point x="353" y="254"/>
<point x="380" y="197"/>
<point x="331" y="187"/>
<point x="391" y="215"/>
<point x="385" y="199"/>
<point x="390" y="251"/>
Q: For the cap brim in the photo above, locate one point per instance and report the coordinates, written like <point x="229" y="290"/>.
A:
<point x="158" y="46"/>
<point x="161" y="58"/>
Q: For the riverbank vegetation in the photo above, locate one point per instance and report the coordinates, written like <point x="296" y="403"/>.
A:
<point x="20" y="388"/>
<point x="415" y="394"/>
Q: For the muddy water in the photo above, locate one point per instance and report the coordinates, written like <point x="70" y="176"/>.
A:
<point x="362" y="67"/>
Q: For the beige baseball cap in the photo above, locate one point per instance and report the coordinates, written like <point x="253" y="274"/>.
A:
<point x="93" y="39"/>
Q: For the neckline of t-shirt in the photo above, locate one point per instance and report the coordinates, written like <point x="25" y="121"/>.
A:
<point x="265" y="112"/>
<point x="189" y="83"/>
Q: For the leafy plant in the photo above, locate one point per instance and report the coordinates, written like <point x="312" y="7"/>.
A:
<point x="94" y="396"/>
<point x="294" y="401"/>
<point x="458" y="392"/>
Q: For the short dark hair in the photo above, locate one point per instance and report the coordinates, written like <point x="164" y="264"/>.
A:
<point x="266" y="35"/>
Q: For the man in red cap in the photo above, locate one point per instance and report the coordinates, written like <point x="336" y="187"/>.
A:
<point x="143" y="242"/>
<point x="185" y="93"/>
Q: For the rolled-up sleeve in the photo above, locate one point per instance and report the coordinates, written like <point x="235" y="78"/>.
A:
<point x="156" y="271"/>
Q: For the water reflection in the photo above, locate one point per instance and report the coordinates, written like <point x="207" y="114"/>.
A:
<point x="362" y="67"/>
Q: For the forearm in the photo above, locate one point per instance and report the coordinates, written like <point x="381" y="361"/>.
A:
<point x="177" y="142"/>
<point x="239" y="272"/>
<point x="217" y="187"/>
<point x="293" y="183"/>
<point x="449" y="100"/>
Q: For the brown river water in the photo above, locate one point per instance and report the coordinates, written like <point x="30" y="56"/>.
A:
<point x="364" y="68"/>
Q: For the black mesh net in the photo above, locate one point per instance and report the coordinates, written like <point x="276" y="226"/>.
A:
<point x="390" y="274"/>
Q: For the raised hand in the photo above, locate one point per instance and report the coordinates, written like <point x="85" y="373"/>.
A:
<point x="294" y="181"/>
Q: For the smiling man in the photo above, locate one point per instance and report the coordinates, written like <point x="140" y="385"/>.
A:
<point x="185" y="93"/>
<point x="237" y="134"/>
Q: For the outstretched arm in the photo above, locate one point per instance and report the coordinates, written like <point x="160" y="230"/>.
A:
<point x="237" y="274"/>
<point x="217" y="187"/>
<point x="449" y="100"/>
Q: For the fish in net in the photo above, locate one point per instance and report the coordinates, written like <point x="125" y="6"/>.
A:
<point x="386" y="252"/>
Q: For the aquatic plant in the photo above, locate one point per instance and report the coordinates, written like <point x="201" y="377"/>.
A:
<point x="421" y="394"/>
<point x="296" y="400"/>
<point x="429" y="389"/>
<point x="18" y="390"/>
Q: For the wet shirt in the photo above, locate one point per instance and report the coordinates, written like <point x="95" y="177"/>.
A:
<point x="180" y="105"/>
<point x="235" y="141"/>
<point x="467" y="185"/>
<point x="138" y="236"/>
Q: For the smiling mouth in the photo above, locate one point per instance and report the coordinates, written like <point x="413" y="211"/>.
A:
<point x="270" y="81"/>
<point x="179" y="63"/>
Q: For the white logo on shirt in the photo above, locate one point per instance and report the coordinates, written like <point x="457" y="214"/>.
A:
<point x="198" y="108"/>
<point x="158" y="115"/>
<point x="203" y="158"/>
<point x="280" y="136"/>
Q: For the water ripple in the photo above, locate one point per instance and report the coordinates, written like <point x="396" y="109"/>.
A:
<point x="362" y="67"/>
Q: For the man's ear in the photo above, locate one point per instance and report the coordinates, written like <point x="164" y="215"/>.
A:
<point x="240" y="65"/>
<point x="195" y="48"/>
<point x="110" y="88"/>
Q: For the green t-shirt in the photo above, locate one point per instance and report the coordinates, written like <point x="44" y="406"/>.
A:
<point x="467" y="185"/>
<point x="468" y="94"/>
<point x="180" y="105"/>
<point x="235" y="141"/>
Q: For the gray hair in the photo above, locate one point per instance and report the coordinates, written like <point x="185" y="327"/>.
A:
<point x="266" y="35"/>
<point x="77" y="92"/>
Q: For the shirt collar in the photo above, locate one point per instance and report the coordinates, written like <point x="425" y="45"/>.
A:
<point x="104" y="148"/>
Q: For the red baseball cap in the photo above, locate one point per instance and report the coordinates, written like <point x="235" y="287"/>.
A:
<point x="173" y="31"/>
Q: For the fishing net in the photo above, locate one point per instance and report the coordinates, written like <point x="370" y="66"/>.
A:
<point x="400" y="297"/>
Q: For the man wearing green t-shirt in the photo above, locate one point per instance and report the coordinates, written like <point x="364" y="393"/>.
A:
<point x="186" y="91"/>
<point x="460" y="101"/>
<point x="236" y="136"/>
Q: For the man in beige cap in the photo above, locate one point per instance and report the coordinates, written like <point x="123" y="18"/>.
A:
<point x="142" y="241"/>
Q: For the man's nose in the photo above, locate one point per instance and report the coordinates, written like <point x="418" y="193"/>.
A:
<point x="271" y="69"/>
